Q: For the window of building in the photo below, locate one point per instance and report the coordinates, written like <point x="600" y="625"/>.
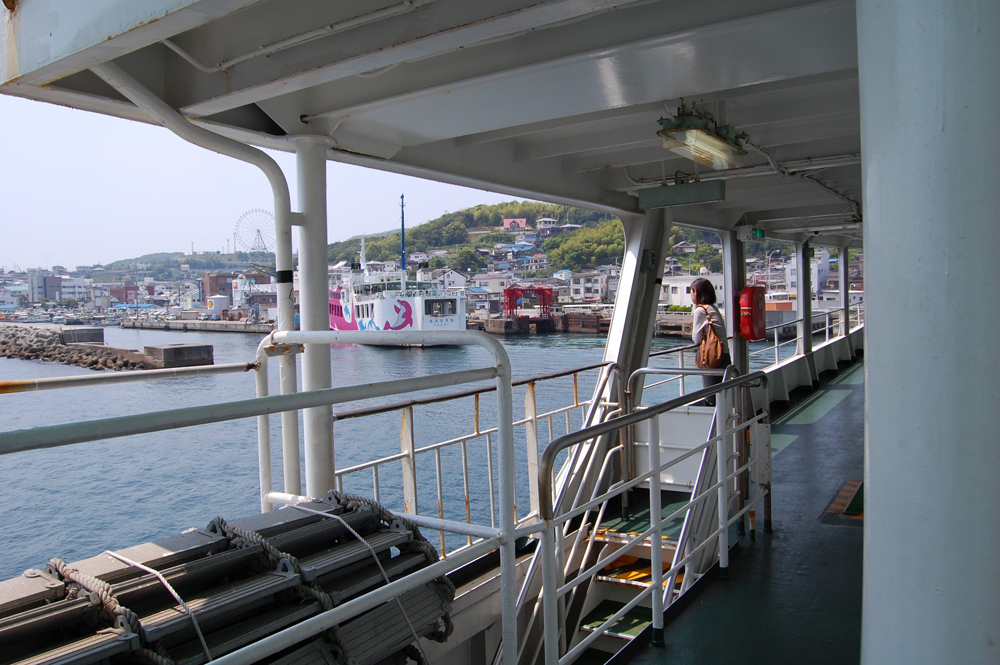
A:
<point x="674" y="289"/>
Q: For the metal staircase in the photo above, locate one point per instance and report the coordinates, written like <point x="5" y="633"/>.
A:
<point x="644" y="538"/>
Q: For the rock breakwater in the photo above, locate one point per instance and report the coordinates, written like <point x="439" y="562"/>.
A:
<point x="46" y="343"/>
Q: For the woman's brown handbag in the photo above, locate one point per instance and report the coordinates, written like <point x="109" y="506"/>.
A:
<point x="711" y="349"/>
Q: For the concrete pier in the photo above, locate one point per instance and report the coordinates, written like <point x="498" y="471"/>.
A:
<point x="167" y="356"/>
<point x="201" y="326"/>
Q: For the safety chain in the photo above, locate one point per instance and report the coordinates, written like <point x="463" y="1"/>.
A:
<point x="418" y="544"/>
<point x="244" y="538"/>
<point x="115" y="610"/>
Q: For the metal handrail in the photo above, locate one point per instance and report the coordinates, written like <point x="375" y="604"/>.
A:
<point x="784" y="324"/>
<point x="55" y="383"/>
<point x="547" y="461"/>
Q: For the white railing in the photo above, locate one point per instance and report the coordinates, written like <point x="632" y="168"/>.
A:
<point x="478" y="441"/>
<point x="498" y="536"/>
<point x="856" y="316"/>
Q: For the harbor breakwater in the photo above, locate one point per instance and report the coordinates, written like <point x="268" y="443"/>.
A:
<point x="50" y="343"/>
<point x="85" y="347"/>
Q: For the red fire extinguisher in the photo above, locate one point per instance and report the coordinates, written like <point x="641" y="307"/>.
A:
<point x="752" y="315"/>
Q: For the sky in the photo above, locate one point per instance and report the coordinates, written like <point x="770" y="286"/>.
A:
<point x="80" y="188"/>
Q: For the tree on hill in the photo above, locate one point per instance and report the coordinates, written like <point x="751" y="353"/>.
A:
<point x="588" y="247"/>
<point x="468" y="261"/>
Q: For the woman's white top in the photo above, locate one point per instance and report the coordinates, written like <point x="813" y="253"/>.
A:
<point x="700" y="321"/>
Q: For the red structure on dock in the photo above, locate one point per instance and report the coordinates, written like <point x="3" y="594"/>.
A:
<point x="514" y="295"/>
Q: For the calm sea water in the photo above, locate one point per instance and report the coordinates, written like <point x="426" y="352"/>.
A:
<point x="76" y="501"/>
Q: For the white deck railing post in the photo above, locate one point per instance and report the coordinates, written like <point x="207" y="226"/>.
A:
<point x="550" y="584"/>
<point x="722" y="457"/>
<point x="264" y="441"/>
<point x="531" y="433"/>
<point x="656" y="539"/>
<point x="408" y="448"/>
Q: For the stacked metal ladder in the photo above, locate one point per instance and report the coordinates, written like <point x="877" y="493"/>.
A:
<point x="237" y="590"/>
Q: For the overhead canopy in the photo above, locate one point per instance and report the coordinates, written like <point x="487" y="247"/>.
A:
<point x="557" y="100"/>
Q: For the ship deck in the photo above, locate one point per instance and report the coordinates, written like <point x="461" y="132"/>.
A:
<point x="793" y="596"/>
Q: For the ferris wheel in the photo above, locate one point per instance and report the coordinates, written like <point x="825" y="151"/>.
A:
<point x="255" y="231"/>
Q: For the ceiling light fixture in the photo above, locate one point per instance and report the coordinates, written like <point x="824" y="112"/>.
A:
<point x="695" y="134"/>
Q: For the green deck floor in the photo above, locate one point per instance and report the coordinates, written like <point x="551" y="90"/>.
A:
<point x="793" y="596"/>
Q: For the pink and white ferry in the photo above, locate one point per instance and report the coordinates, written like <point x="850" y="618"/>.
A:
<point x="388" y="301"/>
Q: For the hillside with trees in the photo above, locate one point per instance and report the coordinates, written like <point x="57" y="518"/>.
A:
<point x="599" y="241"/>
<point x="463" y="231"/>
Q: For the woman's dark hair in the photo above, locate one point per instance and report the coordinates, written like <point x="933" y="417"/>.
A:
<point x="702" y="292"/>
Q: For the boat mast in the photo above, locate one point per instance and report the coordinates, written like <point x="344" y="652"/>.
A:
<point x="402" y="243"/>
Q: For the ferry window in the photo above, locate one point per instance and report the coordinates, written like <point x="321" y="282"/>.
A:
<point x="439" y="307"/>
<point x="674" y="289"/>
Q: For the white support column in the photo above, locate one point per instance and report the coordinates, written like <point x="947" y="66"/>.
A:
<point x="845" y="291"/>
<point x="735" y="280"/>
<point x="314" y="303"/>
<point x="929" y="96"/>
<point x="803" y="299"/>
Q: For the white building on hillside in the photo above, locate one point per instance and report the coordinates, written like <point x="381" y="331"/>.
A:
<point x="820" y="265"/>
<point x="589" y="287"/>
<point x="492" y="282"/>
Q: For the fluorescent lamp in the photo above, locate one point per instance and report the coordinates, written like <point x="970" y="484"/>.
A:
<point x="703" y="148"/>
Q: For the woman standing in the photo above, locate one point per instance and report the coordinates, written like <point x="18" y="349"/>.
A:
<point x="705" y="314"/>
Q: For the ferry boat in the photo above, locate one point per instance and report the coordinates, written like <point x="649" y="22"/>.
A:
<point x="386" y="301"/>
<point x="738" y="118"/>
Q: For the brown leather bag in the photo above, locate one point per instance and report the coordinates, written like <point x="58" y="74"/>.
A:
<point x="711" y="349"/>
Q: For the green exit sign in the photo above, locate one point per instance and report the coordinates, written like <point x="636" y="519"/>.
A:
<point x="758" y="233"/>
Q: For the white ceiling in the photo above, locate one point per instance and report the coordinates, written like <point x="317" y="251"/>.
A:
<point x="550" y="99"/>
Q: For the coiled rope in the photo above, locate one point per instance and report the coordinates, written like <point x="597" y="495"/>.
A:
<point x="117" y="613"/>
<point x="115" y="610"/>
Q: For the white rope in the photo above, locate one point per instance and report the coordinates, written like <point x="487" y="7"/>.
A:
<point x="378" y="562"/>
<point x="166" y="584"/>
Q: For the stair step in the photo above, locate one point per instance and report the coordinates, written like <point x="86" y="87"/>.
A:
<point x="384" y="630"/>
<point x="234" y="636"/>
<point x="52" y="617"/>
<point x="627" y="627"/>
<point x="320" y="564"/>
<point x="362" y="580"/>
<point x="231" y="598"/>
<point x="91" y="649"/>
<point x="634" y="572"/>
<point x="624" y="537"/>
<point x="314" y="653"/>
